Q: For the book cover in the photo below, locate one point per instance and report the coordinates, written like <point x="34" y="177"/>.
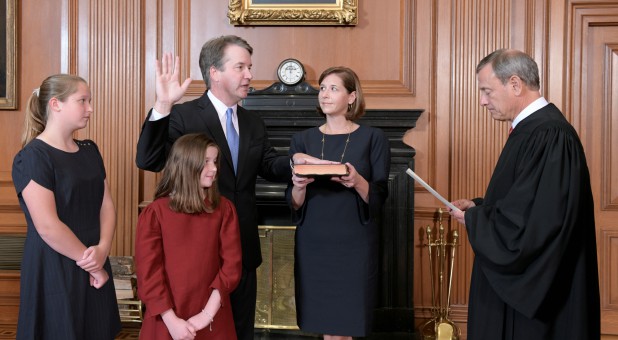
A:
<point x="124" y="282"/>
<point x="125" y="294"/>
<point x="310" y="170"/>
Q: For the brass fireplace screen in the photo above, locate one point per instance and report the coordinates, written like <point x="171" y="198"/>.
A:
<point x="276" y="306"/>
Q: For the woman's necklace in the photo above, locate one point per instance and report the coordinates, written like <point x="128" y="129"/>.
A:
<point x="344" y="148"/>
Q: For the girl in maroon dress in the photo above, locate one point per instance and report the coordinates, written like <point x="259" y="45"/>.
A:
<point x="187" y="250"/>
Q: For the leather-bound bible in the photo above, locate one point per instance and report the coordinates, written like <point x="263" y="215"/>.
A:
<point x="311" y="170"/>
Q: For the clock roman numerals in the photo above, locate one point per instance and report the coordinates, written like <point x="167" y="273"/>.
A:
<point x="290" y="71"/>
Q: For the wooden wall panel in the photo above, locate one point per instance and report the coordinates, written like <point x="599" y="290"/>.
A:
<point x="608" y="249"/>
<point x="9" y="297"/>
<point x="479" y="28"/>
<point x="390" y="80"/>
<point x="38" y="41"/>
<point x="608" y="148"/>
<point x="12" y="220"/>
<point x="593" y="53"/>
<point x="608" y="246"/>
<point x="380" y="48"/>
<point x="609" y="197"/>
<point x="109" y="57"/>
<point x="409" y="54"/>
<point x="38" y="58"/>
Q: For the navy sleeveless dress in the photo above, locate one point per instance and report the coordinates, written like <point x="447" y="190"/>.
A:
<point x="336" y="241"/>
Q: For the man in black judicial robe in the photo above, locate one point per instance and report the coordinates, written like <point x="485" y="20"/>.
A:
<point x="533" y="234"/>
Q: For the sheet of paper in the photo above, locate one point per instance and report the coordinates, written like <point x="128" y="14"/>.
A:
<point x="431" y="190"/>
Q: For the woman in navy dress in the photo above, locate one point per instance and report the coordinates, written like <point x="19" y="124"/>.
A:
<point x="337" y="234"/>
<point x="66" y="287"/>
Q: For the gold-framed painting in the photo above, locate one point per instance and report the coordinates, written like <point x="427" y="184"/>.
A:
<point x="293" y="12"/>
<point x="8" y="44"/>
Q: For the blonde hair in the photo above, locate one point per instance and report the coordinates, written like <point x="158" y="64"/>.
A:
<point x="59" y="86"/>
<point x="181" y="176"/>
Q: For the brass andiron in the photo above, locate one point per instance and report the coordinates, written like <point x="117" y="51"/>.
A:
<point x="440" y="327"/>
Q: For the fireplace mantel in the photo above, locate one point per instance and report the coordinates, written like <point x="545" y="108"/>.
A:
<point x="287" y="110"/>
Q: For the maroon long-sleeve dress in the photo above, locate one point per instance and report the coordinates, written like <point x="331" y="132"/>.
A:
<point x="180" y="258"/>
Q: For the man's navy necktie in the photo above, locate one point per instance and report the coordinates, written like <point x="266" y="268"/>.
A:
<point x="232" y="137"/>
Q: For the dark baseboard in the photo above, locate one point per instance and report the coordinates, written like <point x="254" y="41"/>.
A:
<point x="398" y="320"/>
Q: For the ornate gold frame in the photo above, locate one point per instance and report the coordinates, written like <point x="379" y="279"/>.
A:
<point x="8" y="100"/>
<point x="246" y="13"/>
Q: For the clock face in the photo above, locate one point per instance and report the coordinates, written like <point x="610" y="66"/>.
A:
<point x="290" y="72"/>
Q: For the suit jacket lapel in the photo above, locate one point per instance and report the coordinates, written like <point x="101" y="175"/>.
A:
<point x="244" y="137"/>
<point x="213" y="124"/>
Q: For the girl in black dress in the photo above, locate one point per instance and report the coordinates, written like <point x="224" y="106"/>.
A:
<point x="66" y="287"/>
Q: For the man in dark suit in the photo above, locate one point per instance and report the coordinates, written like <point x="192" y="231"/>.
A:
<point x="225" y="63"/>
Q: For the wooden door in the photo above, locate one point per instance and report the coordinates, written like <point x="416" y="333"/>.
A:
<point x="595" y="114"/>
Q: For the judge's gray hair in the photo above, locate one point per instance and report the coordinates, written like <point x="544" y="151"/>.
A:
<point x="507" y="63"/>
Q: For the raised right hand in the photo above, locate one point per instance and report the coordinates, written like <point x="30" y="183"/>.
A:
<point x="167" y="83"/>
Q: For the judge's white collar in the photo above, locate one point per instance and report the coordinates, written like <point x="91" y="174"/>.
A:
<point x="530" y="109"/>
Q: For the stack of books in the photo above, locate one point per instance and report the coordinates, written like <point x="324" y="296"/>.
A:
<point x="125" y="280"/>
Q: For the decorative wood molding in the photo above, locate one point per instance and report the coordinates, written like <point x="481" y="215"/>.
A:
<point x="13" y="222"/>
<point x="388" y="88"/>
<point x="12" y="219"/>
<point x="609" y="175"/>
<point x="591" y="48"/>
<point x="608" y="242"/>
<point x="403" y="86"/>
<point x="9" y="296"/>
<point x="68" y="48"/>
<point x="8" y="99"/>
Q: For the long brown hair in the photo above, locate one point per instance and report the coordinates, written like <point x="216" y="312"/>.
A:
<point x="59" y="86"/>
<point x="181" y="176"/>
